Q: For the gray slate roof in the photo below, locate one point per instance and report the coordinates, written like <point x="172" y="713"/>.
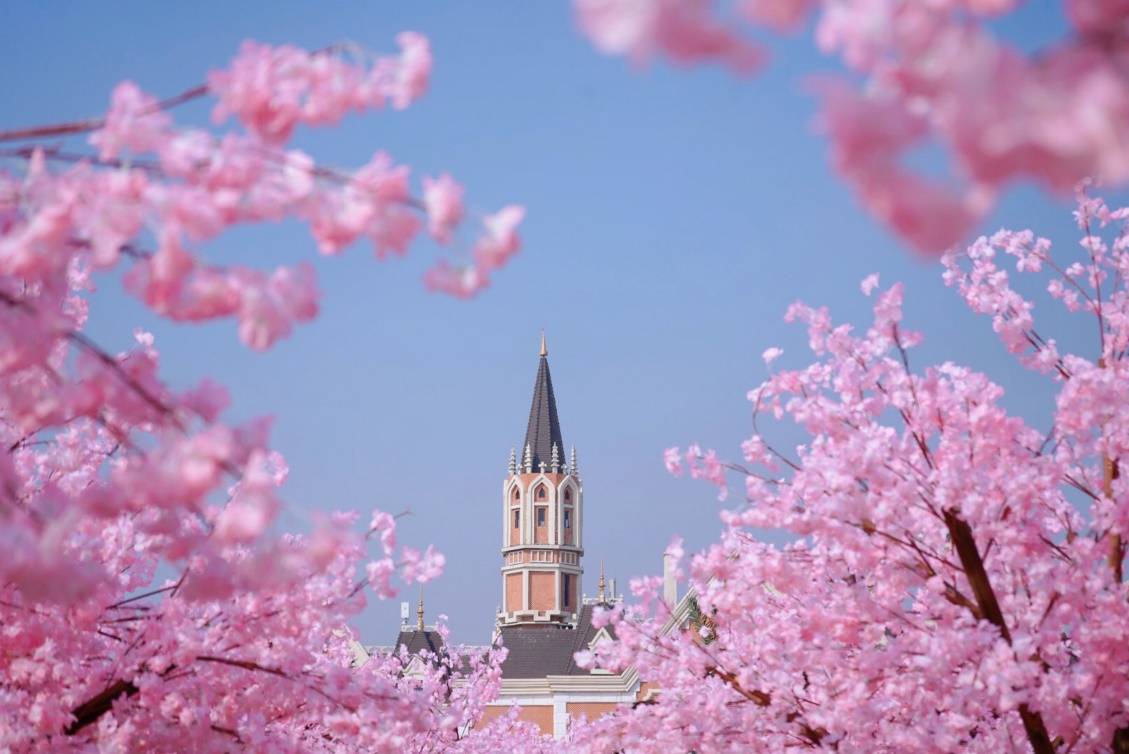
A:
<point x="534" y="651"/>
<point x="544" y="427"/>
<point x="538" y="651"/>
<point x="416" y="641"/>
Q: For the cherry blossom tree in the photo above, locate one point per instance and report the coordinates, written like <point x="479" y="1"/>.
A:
<point x="112" y="480"/>
<point x="921" y="74"/>
<point x="953" y="580"/>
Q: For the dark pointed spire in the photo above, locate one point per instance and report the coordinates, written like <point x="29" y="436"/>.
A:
<point x="544" y="430"/>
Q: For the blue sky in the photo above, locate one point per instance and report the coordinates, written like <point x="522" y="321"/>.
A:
<point x="672" y="216"/>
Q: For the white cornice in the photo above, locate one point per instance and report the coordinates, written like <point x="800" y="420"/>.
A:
<point x="680" y="612"/>
<point x="543" y="546"/>
<point x="618" y="683"/>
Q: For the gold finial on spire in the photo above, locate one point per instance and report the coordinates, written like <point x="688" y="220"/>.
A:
<point x="419" y="611"/>
<point x="544" y="348"/>
<point x="602" y="597"/>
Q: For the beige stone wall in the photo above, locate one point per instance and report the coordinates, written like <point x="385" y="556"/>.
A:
<point x="542" y="590"/>
<point x="541" y="716"/>
<point x="513" y="593"/>
<point x="590" y="710"/>
<point x="645" y="689"/>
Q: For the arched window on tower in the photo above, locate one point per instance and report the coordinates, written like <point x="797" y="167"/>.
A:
<point x="540" y="492"/>
<point x="517" y="495"/>
<point x="541" y="525"/>
<point x="568" y="495"/>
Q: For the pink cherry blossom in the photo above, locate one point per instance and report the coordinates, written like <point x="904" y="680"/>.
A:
<point x="682" y="29"/>
<point x="706" y="465"/>
<point x="935" y="73"/>
<point x="422" y="567"/>
<point x="782" y="15"/>
<point x="270" y="305"/>
<point x="672" y="459"/>
<point x="462" y="282"/>
<point x="411" y="72"/>
<point x="443" y="200"/>
<point x="147" y="600"/>
<point x="384" y="524"/>
<point x="499" y="240"/>
<point x="929" y="582"/>
<point x="273" y="89"/>
<point x="135" y="123"/>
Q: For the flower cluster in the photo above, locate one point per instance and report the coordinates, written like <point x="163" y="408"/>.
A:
<point x="931" y="72"/>
<point x="952" y="577"/>
<point x="155" y="192"/>
<point x="146" y="603"/>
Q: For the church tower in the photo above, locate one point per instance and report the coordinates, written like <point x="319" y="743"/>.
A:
<point x="542" y="512"/>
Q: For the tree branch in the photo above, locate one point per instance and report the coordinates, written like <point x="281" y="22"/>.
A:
<point x="93" y="124"/>
<point x="98" y="705"/>
<point x="974" y="571"/>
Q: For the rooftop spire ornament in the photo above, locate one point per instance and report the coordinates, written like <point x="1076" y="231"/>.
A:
<point x="513" y="463"/>
<point x="601" y="597"/>
<point x="419" y="611"/>
<point x="555" y="463"/>
<point x="544" y="348"/>
<point x="527" y="461"/>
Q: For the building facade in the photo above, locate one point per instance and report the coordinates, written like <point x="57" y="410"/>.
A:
<point x="541" y="516"/>
<point x="544" y="618"/>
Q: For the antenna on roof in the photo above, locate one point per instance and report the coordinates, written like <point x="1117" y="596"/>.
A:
<point x="419" y="611"/>
<point x="403" y="615"/>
